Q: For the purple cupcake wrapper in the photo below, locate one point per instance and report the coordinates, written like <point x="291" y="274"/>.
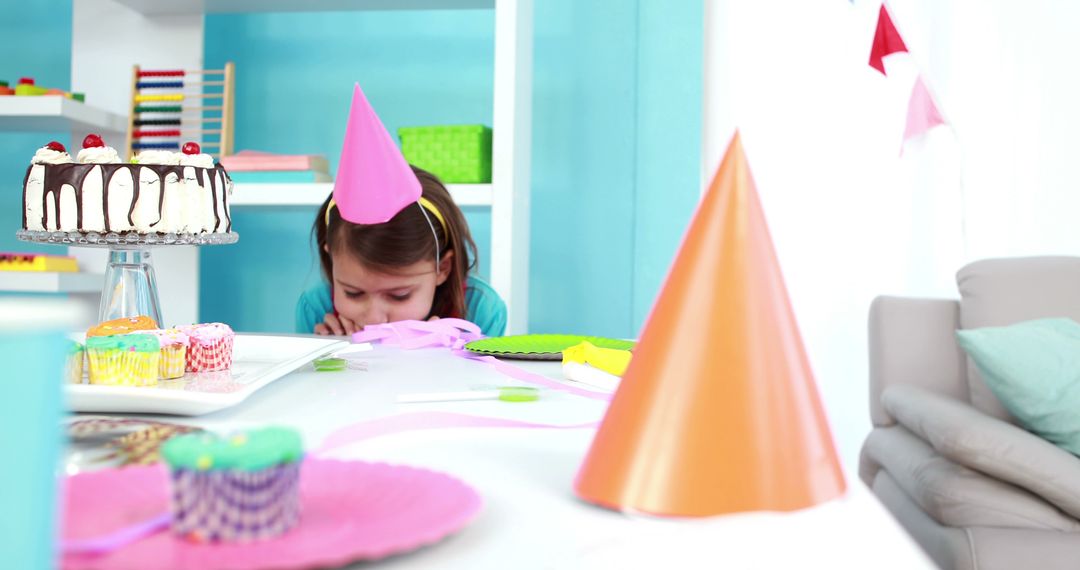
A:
<point x="235" y="505"/>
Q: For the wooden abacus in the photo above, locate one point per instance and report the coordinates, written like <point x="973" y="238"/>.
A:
<point x="163" y="118"/>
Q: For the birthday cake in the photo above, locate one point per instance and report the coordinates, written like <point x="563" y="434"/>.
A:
<point x="96" y="194"/>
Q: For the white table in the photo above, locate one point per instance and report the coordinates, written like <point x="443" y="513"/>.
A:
<point x="531" y="517"/>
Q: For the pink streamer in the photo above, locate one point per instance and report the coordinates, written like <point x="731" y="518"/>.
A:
<point x="532" y="378"/>
<point x="455" y="334"/>
<point x="416" y="421"/>
<point x="449" y="333"/>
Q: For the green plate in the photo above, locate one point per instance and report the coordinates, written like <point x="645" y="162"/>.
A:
<point x="539" y="346"/>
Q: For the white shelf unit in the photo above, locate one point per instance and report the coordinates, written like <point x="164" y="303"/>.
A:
<point x="169" y="34"/>
<point x="45" y="113"/>
<point x="173" y="7"/>
<point x="313" y="194"/>
<point x="50" y="282"/>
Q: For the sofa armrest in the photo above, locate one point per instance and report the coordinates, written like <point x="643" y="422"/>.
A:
<point x="973" y="439"/>
<point x="912" y="342"/>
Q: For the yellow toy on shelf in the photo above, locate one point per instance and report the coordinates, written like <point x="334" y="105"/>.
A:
<point x="28" y="88"/>
<point x="37" y="262"/>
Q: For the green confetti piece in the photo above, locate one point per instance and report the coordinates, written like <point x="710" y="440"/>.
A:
<point x="330" y="364"/>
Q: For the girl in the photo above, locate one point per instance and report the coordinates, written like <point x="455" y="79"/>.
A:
<point x="414" y="267"/>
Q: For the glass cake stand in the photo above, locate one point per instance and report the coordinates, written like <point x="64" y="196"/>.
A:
<point x="130" y="286"/>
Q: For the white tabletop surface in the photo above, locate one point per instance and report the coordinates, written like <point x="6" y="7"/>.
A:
<point x="531" y="517"/>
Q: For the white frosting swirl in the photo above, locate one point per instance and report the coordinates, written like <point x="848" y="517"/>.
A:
<point x="158" y="157"/>
<point x="46" y="155"/>
<point x="197" y="160"/>
<point x="98" y="155"/>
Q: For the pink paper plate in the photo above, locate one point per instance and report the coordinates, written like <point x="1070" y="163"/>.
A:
<point x="352" y="510"/>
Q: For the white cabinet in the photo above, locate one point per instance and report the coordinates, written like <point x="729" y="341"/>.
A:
<point x="169" y="34"/>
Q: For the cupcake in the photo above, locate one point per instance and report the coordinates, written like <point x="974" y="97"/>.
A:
<point x="210" y="348"/>
<point x="123" y="360"/>
<point x="239" y="488"/>
<point x="122" y="326"/>
<point x="174" y="347"/>
<point x="73" y="368"/>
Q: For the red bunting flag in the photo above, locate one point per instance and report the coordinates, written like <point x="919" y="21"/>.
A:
<point x="887" y="41"/>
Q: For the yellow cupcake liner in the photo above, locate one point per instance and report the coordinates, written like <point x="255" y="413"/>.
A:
<point x="114" y="367"/>
<point x="173" y="361"/>
<point x="74" y="368"/>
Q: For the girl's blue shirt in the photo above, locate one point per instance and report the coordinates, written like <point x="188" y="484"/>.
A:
<point x="483" y="306"/>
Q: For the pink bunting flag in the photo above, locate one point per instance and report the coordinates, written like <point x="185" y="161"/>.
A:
<point x="923" y="113"/>
<point x="373" y="182"/>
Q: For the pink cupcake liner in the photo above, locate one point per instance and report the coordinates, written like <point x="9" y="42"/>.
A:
<point x="210" y="357"/>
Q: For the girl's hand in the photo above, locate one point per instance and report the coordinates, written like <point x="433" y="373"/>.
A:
<point x="335" y="325"/>
<point x="433" y="318"/>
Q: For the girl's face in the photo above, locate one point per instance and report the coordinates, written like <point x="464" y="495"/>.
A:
<point x="369" y="297"/>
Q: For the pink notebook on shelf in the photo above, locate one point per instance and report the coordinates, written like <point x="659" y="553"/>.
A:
<point x="247" y="160"/>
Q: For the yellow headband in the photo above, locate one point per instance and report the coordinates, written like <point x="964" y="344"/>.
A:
<point x="423" y="202"/>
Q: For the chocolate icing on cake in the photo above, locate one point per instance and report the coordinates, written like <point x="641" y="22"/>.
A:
<point x="25" y="180"/>
<point x="56" y="176"/>
<point x="225" y="180"/>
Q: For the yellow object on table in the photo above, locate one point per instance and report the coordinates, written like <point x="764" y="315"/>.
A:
<point x="75" y="363"/>
<point x="173" y="361"/>
<point x="609" y="360"/>
<point x="37" y="262"/>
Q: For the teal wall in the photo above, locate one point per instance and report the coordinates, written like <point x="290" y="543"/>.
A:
<point x="668" y="154"/>
<point x="616" y="142"/>
<point x="37" y="43"/>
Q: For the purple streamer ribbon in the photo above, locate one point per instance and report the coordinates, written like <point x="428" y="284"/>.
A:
<point x="118" y="539"/>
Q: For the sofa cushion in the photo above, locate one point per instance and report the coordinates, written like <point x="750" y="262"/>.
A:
<point x="973" y="439"/>
<point x="954" y="495"/>
<point x="997" y="292"/>
<point x="1033" y="368"/>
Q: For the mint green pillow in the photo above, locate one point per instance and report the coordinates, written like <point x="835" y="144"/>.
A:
<point x="1033" y="367"/>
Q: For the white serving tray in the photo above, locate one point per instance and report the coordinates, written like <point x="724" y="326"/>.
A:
<point x="257" y="361"/>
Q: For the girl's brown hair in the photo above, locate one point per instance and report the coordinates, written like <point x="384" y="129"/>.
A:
<point x="404" y="240"/>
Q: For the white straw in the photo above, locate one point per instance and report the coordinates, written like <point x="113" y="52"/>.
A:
<point x="425" y="397"/>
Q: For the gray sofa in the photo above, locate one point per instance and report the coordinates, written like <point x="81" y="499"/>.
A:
<point x="973" y="488"/>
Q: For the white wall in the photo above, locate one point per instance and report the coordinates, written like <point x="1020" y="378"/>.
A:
<point x="850" y="217"/>
<point x="107" y="40"/>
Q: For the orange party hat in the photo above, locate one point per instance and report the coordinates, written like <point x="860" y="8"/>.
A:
<point x="718" y="412"/>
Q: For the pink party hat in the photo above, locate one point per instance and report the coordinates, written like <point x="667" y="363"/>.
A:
<point x="373" y="180"/>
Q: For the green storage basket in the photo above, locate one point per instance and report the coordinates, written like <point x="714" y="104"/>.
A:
<point x="457" y="154"/>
